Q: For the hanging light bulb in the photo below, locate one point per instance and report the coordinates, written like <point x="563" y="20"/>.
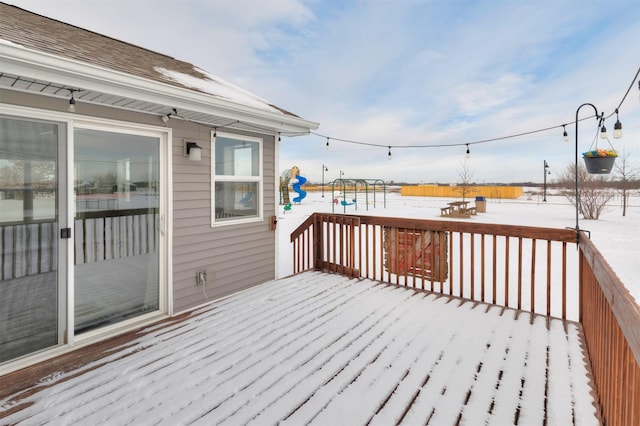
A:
<point x="468" y="154"/>
<point x="603" y="132"/>
<point x="617" y="127"/>
<point x="279" y="138"/>
<point x="389" y="154"/>
<point x="72" y="103"/>
<point x="565" y="135"/>
<point x="326" y="146"/>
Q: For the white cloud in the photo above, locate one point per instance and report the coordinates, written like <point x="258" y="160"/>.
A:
<point x="403" y="73"/>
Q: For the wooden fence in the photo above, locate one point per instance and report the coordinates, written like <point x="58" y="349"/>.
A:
<point x="527" y="268"/>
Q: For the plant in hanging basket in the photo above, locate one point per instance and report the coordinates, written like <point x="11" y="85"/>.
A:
<point x="599" y="161"/>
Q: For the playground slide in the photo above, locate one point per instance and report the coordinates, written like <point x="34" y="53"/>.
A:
<point x="296" y="187"/>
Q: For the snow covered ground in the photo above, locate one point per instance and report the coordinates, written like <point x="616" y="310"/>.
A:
<point x="617" y="237"/>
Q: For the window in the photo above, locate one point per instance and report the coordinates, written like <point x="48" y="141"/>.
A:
<point x="236" y="176"/>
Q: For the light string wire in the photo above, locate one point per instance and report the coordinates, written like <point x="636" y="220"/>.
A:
<point x="515" y="135"/>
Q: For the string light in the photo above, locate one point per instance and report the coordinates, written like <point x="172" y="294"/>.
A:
<point x="565" y="135"/>
<point x="603" y="130"/>
<point x="389" y="154"/>
<point x="327" y="145"/>
<point x="617" y="127"/>
<point x="72" y="102"/>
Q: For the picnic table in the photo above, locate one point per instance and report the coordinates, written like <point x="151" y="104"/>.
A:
<point x="458" y="209"/>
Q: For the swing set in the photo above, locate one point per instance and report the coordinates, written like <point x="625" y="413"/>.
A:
<point x="364" y="185"/>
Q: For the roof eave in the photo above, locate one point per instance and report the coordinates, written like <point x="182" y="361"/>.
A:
<point x="30" y="63"/>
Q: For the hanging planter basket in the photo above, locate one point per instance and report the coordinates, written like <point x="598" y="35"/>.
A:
<point x="599" y="165"/>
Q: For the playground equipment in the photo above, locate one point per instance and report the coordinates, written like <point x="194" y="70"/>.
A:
<point x="348" y="185"/>
<point x="292" y="176"/>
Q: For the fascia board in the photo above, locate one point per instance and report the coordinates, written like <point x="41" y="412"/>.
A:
<point x="25" y="62"/>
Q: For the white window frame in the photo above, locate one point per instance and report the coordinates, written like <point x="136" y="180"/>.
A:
<point x="215" y="222"/>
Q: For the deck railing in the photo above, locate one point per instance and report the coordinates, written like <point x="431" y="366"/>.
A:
<point x="526" y="268"/>
<point x="28" y="249"/>
<point x="520" y="267"/>
<point x="610" y="320"/>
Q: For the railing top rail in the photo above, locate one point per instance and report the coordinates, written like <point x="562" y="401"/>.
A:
<point x="622" y="304"/>
<point x="552" y="234"/>
<point x="115" y="213"/>
<point x="303" y="226"/>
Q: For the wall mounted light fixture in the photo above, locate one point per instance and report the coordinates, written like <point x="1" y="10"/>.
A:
<point x="193" y="151"/>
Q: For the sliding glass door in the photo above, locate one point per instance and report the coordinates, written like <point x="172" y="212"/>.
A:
<point x="31" y="295"/>
<point x="117" y="225"/>
<point x="82" y="255"/>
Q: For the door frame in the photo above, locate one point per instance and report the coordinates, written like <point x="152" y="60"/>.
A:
<point x="164" y="135"/>
<point x="67" y="340"/>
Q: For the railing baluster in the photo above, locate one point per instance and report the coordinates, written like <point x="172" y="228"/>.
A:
<point x="494" y="263"/>
<point x="533" y="277"/>
<point x="519" y="272"/>
<point x="482" y="268"/>
<point x="548" y="278"/>
<point x="461" y="279"/>
<point x="564" y="281"/>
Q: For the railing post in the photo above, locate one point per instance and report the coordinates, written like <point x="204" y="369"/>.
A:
<point x="318" y="241"/>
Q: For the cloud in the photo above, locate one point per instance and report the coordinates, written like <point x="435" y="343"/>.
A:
<point x="403" y="73"/>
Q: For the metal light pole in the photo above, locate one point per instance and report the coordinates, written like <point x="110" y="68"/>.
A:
<point x="546" y="172"/>
<point x="324" y="169"/>
<point x="576" y="169"/>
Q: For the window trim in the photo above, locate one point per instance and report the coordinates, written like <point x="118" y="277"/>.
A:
<point x="259" y="179"/>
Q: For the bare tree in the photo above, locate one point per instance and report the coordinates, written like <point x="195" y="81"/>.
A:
<point x="466" y="175"/>
<point x="626" y="175"/>
<point x="594" y="191"/>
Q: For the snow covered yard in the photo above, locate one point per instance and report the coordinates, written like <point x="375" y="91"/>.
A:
<point x="323" y="349"/>
<point x="615" y="236"/>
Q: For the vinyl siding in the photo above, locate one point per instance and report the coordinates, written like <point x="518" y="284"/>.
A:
<point x="235" y="257"/>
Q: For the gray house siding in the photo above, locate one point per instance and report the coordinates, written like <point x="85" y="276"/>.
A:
<point x="234" y="257"/>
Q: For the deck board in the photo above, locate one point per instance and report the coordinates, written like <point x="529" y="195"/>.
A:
<point x="321" y="349"/>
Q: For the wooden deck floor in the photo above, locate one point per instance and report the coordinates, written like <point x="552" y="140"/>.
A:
<point x="319" y="349"/>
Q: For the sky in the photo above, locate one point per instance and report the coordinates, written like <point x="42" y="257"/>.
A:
<point x="425" y="78"/>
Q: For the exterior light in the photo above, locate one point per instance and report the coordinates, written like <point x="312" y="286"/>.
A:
<point x="468" y="154"/>
<point x="72" y="103"/>
<point x="389" y="154"/>
<point x="603" y="132"/>
<point x="193" y="151"/>
<point x="617" y="127"/>
<point x="326" y="146"/>
<point x="565" y="135"/>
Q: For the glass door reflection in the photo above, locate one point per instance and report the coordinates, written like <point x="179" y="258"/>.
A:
<point x="116" y="183"/>
<point x="29" y="244"/>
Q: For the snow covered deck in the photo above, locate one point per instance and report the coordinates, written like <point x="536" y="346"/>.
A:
<point x="318" y="348"/>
